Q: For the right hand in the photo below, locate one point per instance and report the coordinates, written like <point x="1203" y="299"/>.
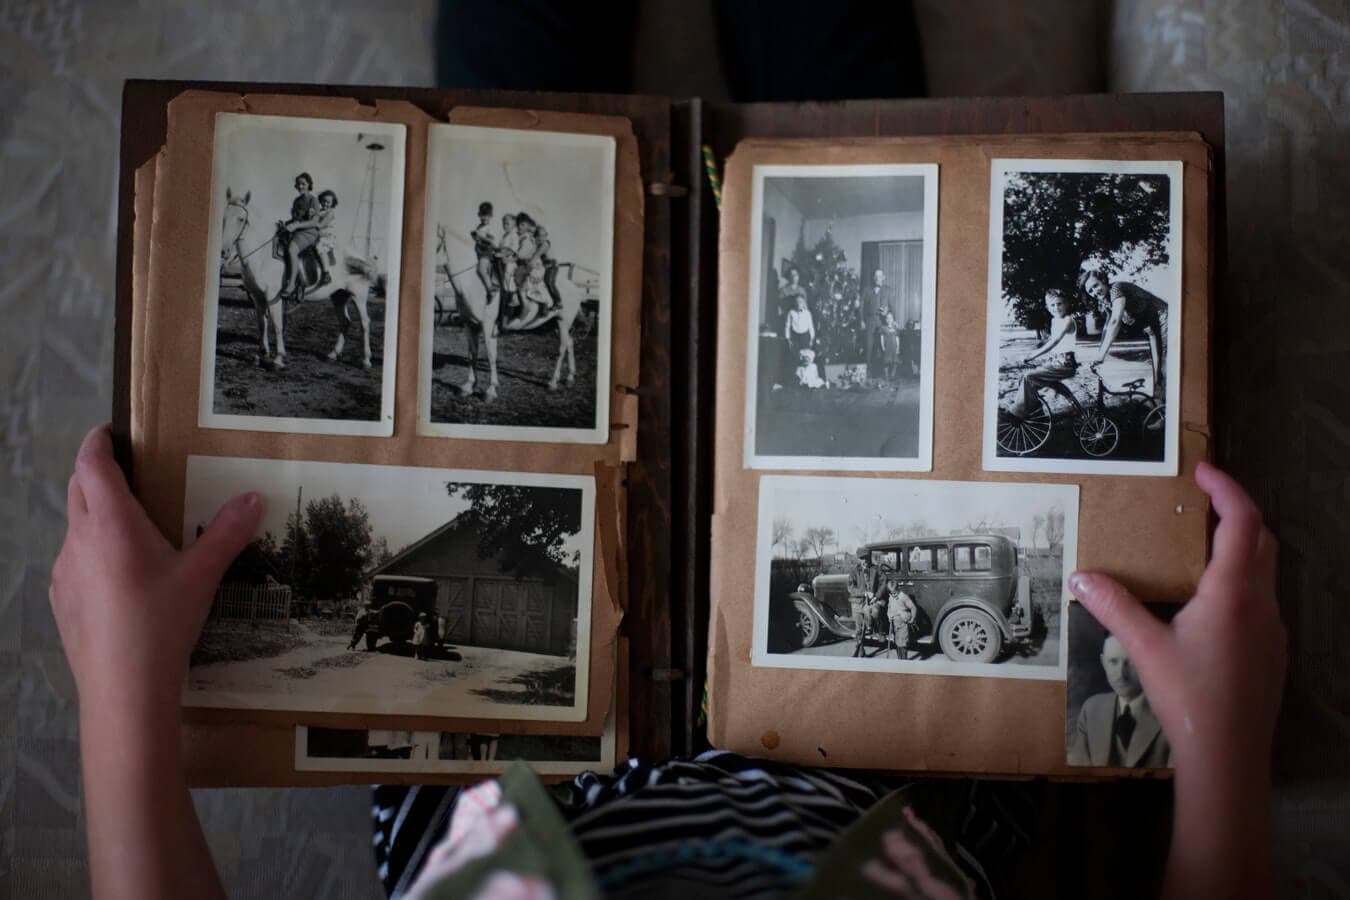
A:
<point x="1215" y="675"/>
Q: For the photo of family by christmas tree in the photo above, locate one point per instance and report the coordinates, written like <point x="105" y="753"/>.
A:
<point x="843" y="303"/>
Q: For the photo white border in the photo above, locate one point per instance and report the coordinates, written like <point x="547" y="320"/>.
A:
<point x="440" y="139"/>
<point x="227" y="125"/>
<point x="995" y="314"/>
<point x="923" y="462"/>
<point x="769" y="485"/>
<point x="306" y="763"/>
<point x="432" y="704"/>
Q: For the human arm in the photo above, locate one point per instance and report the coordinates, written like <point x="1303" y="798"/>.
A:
<point x="1058" y="329"/>
<point x="129" y="608"/>
<point x="1214" y="678"/>
<point x="1112" y="326"/>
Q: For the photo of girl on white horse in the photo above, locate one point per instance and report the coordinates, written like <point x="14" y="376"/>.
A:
<point x="303" y="211"/>
<point x="518" y="259"/>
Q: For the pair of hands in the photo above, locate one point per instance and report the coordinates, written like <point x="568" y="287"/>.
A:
<point x="130" y="607"/>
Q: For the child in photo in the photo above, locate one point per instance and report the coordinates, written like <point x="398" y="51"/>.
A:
<point x="326" y="220"/>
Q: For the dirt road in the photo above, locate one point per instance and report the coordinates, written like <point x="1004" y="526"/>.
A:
<point x="311" y="386"/>
<point x="325" y="669"/>
<point x="1046" y="655"/>
<point x="525" y="362"/>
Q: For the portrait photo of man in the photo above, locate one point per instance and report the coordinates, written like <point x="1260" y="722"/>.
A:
<point x="1113" y="728"/>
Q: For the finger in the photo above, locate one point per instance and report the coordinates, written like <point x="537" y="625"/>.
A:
<point x="1266" y="566"/>
<point x="1239" y="524"/>
<point x="76" y="505"/>
<point x="101" y="480"/>
<point x="877" y="873"/>
<point x="225" y="538"/>
<point x="1121" y="614"/>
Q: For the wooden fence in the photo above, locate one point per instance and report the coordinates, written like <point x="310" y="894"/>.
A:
<point x="252" y="602"/>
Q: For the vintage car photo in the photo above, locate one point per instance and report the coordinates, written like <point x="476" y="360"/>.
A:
<point x="945" y="577"/>
<point x="971" y="602"/>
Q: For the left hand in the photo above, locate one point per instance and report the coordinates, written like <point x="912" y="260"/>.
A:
<point x="128" y="605"/>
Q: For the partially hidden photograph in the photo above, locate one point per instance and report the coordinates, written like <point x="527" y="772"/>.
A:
<point x="365" y="593"/>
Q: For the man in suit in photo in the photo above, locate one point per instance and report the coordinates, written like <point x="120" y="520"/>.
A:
<point x="1118" y="729"/>
<point x="877" y="301"/>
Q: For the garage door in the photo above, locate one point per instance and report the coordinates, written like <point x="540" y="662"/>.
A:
<point x="452" y="602"/>
<point x="510" y="614"/>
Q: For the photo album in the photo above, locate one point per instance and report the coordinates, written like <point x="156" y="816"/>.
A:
<point x="576" y="448"/>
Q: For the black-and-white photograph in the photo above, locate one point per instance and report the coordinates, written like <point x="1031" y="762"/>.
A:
<point x="410" y="591"/>
<point x="842" y="289"/>
<point x="353" y="750"/>
<point x="301" y="312"/>
<point x="1108" y="722"/>
<point x="517" y="285"/>
<point x="1083" y="347"/>
<point x="933" y="577"/>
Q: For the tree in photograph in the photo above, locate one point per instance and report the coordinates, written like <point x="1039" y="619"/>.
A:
<point x="259" y="561"/>
<point x="1054" y="222"/>
<point x="818" y="541"/>
<point x="1037" y="523"/>
<point x="834" y="292"/>
<point x="526" y="526"/>
<point x="783" y="535"/>
<point x="296" y="556"/>
<point x="339" y="544"/>
<point x="1054" y="527"/>
<point x="380" y="552"/>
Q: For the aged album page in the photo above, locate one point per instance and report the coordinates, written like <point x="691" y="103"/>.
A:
<point x="207" y="398"/>
<point x="950" y="371"/>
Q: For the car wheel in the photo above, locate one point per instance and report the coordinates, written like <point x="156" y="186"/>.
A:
<point x="808" y="626"/>
<point x="970" y="635"/>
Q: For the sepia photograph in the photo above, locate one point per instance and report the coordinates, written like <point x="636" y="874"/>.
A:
<point x="843" y="284"/>
<point x="1108" y="722"/>
<point x="517" y="285"/>
<point x="1083" y="341"/>
<point x="398" y="590"/>
<point x="933" y="577"/>
<point x="301" y="312"/>
<point x="354" y="750"/>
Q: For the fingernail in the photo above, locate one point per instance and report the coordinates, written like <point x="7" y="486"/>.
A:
<point x="1078" y="583"/>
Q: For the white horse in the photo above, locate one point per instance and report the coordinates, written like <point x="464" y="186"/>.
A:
<point x="480" y="310"/>
<point x="264" y="277"/>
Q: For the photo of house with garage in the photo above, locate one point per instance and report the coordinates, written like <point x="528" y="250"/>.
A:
<point x="473" y="599"/>
<point x="399" y="589"/>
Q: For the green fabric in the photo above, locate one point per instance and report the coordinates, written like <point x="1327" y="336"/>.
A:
<point x="840" y="870"/>
<point x="541" y="846"/>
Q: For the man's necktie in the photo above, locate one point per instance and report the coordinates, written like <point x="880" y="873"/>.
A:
<point x="1125" y="728"/>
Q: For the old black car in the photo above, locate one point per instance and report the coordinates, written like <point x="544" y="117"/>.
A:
<point x="971" y="595"/>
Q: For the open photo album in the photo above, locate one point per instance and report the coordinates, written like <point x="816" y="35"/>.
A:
<point x="571" y="454"/>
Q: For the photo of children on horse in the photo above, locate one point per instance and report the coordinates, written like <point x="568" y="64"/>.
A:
<point x="307" y="242"/>
<point x="519" y="264"/>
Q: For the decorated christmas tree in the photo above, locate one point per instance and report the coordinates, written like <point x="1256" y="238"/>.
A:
<point x="833" y="292"/>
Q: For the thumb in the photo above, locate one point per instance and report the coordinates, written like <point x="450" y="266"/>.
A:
<point x="225" y="538"/>
<point x="1121" y="614"/>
